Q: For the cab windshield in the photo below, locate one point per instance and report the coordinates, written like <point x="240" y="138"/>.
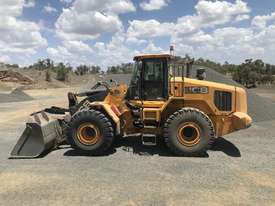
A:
<point x="136" y="72"/>
<point x="134" y="87"/>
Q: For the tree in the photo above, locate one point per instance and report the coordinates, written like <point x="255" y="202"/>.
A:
<point x="113" y="70"/>
<point x="82" y="70"/>
<point x="253" y="78"/>
<point x="61" y="72"/>
<point x="49" y="64"/>
<point x="43" y="64"/>
<point x="95" y="69"/>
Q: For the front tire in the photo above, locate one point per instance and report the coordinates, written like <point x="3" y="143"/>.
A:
<point x="91" y="132"/>
<point x="189" y="132"/>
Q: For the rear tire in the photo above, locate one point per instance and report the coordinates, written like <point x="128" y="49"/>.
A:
<point x="90" y="132"/>
<point x="189" y="132"/>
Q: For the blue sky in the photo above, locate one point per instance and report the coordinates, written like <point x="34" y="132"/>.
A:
<point x="109" y="32"/>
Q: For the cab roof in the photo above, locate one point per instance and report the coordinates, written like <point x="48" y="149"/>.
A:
<point x="151" y="56"/>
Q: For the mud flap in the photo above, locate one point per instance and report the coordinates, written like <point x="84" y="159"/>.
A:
<point x="42" y="134"/>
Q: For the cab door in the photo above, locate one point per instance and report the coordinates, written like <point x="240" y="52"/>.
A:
<point x="154" y="80"/>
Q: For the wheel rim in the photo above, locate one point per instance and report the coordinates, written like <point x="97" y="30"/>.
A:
<point x="189" y="134"/>
<point x="88" y="134"/>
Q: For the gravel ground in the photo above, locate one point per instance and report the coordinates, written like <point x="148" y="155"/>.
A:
<point x="238" y="171"/>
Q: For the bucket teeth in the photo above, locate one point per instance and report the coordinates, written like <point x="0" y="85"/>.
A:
<point x="44" y="115"/>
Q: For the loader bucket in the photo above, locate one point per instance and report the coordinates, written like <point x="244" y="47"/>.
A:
<point x="41" y="134"/>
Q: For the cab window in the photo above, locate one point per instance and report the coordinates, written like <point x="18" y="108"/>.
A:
<point x="153" y="79"/>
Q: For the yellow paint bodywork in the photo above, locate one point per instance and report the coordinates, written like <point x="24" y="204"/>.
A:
<point x="159" y="111"/>
<point x="115" y="99"/>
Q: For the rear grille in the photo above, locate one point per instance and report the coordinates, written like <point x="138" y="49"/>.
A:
<point x="223" y="100"/>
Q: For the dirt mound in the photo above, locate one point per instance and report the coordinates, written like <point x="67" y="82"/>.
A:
<point x="17" y="95"/>
<point x="40" y="82"/>
<point x="212" y="75"/>
<point x="120" y="78"/>
<point x="15" y="77"/>
<point x="39" y="79"/>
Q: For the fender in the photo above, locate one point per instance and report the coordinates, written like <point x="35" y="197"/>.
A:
<point x="111" y="111"/>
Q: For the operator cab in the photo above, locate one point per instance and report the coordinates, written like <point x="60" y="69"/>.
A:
<point x="150" y="78"/>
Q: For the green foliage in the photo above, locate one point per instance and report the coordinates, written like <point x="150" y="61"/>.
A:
<point x="62" y="72"/>
<point x="43" y="64"/>
<point x="250" y="73"/>
<point x="84" y="69"/>
<point x="12" y="66"/>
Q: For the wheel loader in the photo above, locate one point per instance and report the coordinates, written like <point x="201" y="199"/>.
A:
<point x="161" y="101"/>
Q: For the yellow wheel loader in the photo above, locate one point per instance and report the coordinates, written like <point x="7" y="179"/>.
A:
<point x="161" y="101"/>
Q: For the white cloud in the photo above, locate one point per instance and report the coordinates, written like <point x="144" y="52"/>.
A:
<point x="73" y="52"/>
<point x="11" y="7"/>
<point x="231" y="44"/>
<point x="4" y="58"/>
<point x="149" y="28"/>
<point x="207" y="33"/>
<point x="209" y="14"/>
<point x="87" y="19"/>
<point x="49" y="9"/>
<point x="17" y="36"/>
<point x="242" y="17"/>
<point x="135" y="41"/>
<point x="153" y="4"/>
<point x="104" y="6"/>
<point x="29" y="3"/>
<point x="62" y="54"/>
<point x="77" y="46"/>
<point x="261" y="21"/>
<point x="66" y="1"/>
<point x="114" y="52"/>
<point x="86" y="25"/>
<point x="151" y="48"/>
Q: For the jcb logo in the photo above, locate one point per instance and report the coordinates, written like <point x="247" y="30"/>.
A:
<point x="196" y="90"/>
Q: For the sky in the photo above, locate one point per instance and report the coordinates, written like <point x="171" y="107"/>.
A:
<point x="110" y="32"/>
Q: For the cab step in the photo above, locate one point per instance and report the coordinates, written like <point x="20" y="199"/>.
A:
<point x="149" y="139"/>
<point x="150" y="127"/>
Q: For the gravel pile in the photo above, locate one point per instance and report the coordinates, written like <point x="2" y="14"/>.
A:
<point x="212" y="75"/>
<point x="17" y="95"/>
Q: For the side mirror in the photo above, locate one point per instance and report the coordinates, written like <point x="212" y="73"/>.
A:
<point x="201" y="75"/>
